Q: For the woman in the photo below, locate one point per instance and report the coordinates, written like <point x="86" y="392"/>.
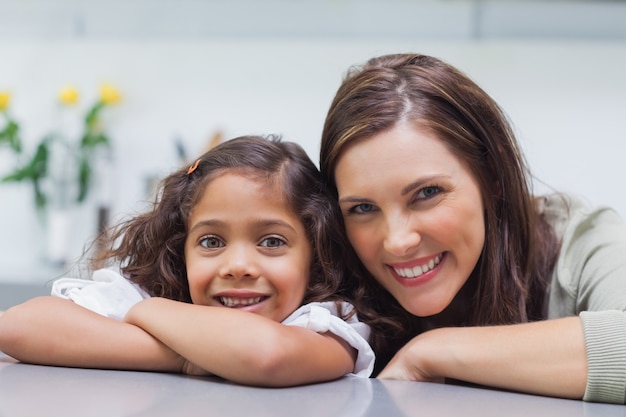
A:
<point x="463" y="273"/>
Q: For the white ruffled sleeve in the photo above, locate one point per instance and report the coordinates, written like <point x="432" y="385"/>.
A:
<point x="324" y="317"/>
<point x="108" y="293"/>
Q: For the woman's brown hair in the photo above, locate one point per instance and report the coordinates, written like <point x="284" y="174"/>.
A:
<point x="511" y="275"/>
<point x="150" y="246"/>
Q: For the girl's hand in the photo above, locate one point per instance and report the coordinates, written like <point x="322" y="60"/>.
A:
<point x="190" y="368"/>
<point x="240" y="346"/>
<point x="142" y="311"/>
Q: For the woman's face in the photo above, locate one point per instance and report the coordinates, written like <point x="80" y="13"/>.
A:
<point x="413" y="213"/>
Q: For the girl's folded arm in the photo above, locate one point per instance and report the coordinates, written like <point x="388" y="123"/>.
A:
<point x="54" y="331"/>
<point x="244" y="347"/>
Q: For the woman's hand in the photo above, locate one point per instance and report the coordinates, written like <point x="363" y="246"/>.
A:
<point x="411" y="363"/>
<point x="545" y="357"/>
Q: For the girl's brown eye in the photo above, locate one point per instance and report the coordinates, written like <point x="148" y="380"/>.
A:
<point x="272" y="242"/>
<point x="211" y="243"/>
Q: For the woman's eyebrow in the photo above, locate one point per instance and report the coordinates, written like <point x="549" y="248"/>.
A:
<point x="420" y="183"/>
<point x="353" y="200"/>
<point x="405" y="190"/>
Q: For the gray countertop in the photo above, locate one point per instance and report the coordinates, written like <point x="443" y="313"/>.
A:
<point x="16" y="293"/>
<point x="31" y="390"/>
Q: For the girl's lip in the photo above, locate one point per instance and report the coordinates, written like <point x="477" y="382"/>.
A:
<point x="411" y="280"/>
<point x="239" y="293"/>
<point x="241" y="300"/>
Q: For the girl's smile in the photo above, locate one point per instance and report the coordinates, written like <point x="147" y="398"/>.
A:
<point x="236" y="300"/>
<point x="413" y="213"/>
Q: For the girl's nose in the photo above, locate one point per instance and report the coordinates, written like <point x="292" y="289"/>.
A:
<point x="402" y="236"/>
<point x="239" y="263"/>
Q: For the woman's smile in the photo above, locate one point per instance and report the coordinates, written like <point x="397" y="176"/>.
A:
<point x="416" y="267"/>
<point x="422" y="271"/>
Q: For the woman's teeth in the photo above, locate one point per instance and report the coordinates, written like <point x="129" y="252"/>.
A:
<point x="418" y="270"/>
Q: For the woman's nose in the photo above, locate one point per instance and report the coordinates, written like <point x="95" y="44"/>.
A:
<point x="402" y="236"/>
<point x="239" y="263"/>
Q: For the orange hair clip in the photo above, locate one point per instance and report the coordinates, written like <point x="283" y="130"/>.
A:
<point x="193" y="167"/>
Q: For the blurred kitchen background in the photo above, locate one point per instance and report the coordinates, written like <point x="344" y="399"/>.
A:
<point x="190" y="72"/>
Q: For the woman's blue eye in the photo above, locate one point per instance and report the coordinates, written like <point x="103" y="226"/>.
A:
<point x="211" y="243"/>
<point x="429" y="192"/>
<point x="362" y="208"/>
<point x="272" y="242"/>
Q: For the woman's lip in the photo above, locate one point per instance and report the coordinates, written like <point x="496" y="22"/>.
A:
<point x="421" y="279"/>
<point x="416" y="262"/>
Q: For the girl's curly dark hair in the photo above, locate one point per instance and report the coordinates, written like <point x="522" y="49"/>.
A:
<point x="150" y="247"/>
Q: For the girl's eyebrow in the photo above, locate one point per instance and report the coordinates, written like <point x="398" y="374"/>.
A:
<point x="203" y="223"/>
<point x="275" y="222"/>
<point x="257" y="223"/>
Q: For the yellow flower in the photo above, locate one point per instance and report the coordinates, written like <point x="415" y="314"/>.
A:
<point x="5" y="98"/>
<point x="109" y="94"/>
<point x="68" y="95"/>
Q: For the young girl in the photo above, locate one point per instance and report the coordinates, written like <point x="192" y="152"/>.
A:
<point x="248" y="228"/>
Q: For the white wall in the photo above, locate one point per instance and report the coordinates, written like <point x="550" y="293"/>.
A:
<point x="566" y="99"/>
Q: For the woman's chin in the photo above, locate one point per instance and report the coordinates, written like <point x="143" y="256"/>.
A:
<point x="422" y="310"/>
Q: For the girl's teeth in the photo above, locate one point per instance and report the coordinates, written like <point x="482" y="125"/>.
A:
<point x="239" y="302"/>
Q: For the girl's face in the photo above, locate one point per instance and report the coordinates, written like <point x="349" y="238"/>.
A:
<point x="246" y="250"/>
<point x="414" y="215"/>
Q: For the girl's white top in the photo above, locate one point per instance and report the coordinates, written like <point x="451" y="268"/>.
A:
<point x="110" y="294"/>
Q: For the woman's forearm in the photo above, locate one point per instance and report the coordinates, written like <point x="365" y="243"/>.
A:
<point x="55" y="331"/>
<point x="546" y="357"/>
